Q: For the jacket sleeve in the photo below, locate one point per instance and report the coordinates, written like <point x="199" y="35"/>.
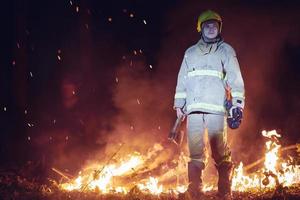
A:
<point x="234" y="79"/>
<point x="180" y="94"/>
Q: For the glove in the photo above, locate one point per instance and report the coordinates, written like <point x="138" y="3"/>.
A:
<point x="235" y="115"/>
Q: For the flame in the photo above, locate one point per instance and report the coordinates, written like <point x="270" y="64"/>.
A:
<point x="207" y="188"/>
<point x="181" y="188"/>
<point x="151" y="186"/>
<point x="101" y="180"/>
<point x="272" y="174"/>
<point x="136" y="169"/>
<point x="76" y="185"/>
<point x="241" y="182"/>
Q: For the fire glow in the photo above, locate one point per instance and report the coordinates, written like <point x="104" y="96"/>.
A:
<point x="106" y="178"/>
<point x="274" y="173"/>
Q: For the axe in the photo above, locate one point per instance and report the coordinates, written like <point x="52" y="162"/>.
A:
<point x="175" y="135"/>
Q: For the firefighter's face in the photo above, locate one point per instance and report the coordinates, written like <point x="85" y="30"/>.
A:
<point x="210" y="29"/>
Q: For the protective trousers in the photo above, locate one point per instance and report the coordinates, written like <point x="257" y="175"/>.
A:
<point x="216" y="127"/>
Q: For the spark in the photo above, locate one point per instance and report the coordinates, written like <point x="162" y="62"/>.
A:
<point x="81" y="121"/>
<point x="150" y="66"/>
<point x="145" y="22"/>
<point x="71" y="2"/>
<point x="31" y="74"/>
<point x="77" y="8"/>
<point x="18" y="45"/>
<point x="117" y="80"/>
<point x="4" y="109"/>
<point x="131" y="15"/>
<point x="13" y="62"/>
<point x="58" y="57"/>
<point x="30" y="125"/>
<point x="28" y="138"/>
<point x="138" y="101"/>
<point x="135" y="53"/>
<point x="25" y="112"/>
<point x="110" y="19"/>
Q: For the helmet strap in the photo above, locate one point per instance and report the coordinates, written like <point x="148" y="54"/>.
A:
<point x="210" y="40"/>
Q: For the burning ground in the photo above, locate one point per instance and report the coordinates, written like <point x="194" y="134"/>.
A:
<point x="105" y="178"/>
<point x="87" y="99"/>
<point x="147" y="176"/>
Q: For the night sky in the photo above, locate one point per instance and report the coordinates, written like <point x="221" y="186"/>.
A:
<point x="78" y="78"/>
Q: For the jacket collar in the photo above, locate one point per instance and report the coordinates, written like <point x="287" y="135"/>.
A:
<point x="208" y="47"/>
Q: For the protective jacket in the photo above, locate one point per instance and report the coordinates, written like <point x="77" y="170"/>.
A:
<point x="206" y="73"/>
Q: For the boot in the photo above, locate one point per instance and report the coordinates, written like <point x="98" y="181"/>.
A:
<point x="224" y="182"/>
<point x="194" y="190"/>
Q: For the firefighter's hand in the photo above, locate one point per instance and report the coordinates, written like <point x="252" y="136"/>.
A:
<point x="236" y="113"/>
<point x="180" y="113"/>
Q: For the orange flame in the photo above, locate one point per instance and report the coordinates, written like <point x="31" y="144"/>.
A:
<point x="274" y="172"/>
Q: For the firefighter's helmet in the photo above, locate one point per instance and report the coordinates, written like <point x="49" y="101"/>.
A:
<point x="206" y="16"/>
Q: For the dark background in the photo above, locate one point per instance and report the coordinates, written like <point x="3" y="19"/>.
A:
<point x="78" y="77"/>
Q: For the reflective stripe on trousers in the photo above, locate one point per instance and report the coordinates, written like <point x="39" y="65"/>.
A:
<point x="216" y="128"/>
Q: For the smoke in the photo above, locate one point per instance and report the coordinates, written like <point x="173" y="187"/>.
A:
<point x="143" y="119"/>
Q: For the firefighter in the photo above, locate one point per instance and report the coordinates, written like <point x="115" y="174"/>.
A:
<point x="210" y="93"/>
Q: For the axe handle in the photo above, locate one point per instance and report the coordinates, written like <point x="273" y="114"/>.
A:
<point x="176" y="126"/>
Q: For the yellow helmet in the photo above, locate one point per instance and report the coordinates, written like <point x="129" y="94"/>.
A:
<point x="208" y="15"/>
